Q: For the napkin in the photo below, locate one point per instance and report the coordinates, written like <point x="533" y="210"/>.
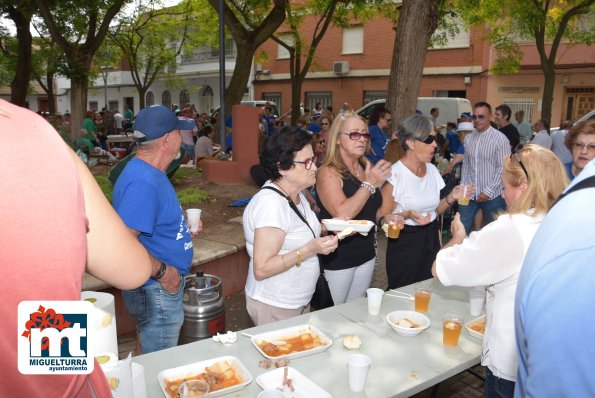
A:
<point x="226" y="339"/>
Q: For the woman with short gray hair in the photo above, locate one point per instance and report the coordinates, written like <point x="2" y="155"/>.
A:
<point x="413" y="192"/>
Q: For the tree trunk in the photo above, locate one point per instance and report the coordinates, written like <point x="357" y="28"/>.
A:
<point x="142" y="92"/>
<point x="296" y="95"/>
<point x="237" y="84"/>
<point x="549" y="74"/>
<point x="50" y="93"/>
<point x="78" y="103"/>
<point x="20" y="83"/>
<point x="418" y="20"/>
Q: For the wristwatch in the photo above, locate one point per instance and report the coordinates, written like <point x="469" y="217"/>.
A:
<point x="161" y="271"/>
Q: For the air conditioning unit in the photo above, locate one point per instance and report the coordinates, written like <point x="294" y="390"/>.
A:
<point x="258" y="67"/>
<point x="341" y="67"/>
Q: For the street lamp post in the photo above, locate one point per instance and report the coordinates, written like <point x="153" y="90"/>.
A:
<point x="222" y="80"/>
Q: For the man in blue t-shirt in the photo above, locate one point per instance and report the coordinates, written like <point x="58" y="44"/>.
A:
<point x="555" y="301"/>
<point x="147" y="203"/>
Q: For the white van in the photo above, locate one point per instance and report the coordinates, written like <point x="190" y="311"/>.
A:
<point x="450" y="108"/>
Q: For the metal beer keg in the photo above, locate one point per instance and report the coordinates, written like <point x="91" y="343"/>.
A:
<point x="204" y="311"/>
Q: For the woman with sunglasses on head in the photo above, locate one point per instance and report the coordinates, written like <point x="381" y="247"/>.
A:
<point x="346" y="188"/>
<point x="413" y="192"/>
<point x="379" y="121"/>
<point x="581" y="142"/>
<point x="282" y="232"/>
<point x="532" y="179"/>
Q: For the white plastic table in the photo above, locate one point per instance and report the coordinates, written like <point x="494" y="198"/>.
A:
<point x="401" y="366"/>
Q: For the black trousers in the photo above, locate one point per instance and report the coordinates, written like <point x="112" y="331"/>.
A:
<point x="409" y="258"/>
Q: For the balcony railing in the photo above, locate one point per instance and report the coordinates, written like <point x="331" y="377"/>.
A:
<point x="208" y="56"/>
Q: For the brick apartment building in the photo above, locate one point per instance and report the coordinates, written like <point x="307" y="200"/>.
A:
<point x="460" y="69"/>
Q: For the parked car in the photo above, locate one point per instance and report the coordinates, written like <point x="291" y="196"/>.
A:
<point x="450" y="108"/>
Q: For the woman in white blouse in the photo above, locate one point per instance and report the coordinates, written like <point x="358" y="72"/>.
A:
<point x="413" y="192"/>
<point x="532" y="179"/>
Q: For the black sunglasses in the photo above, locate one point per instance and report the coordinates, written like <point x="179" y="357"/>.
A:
<point x="428" y="140"/>
<point x="356" y="135"/>
<point x="515" y="153"/>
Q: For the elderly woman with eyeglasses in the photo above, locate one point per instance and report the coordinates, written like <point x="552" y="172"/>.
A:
<point x="282" y="232"/>
<point x="413" y="192"/>
<point x="347" y="189"/>
<point x="532" y="179"/>
<point x="581" y="142"/>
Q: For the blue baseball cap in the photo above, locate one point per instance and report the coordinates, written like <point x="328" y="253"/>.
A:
<point x="465" y="114"/>
<point x="155" y="121"/>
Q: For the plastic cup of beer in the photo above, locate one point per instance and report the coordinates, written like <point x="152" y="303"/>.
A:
<point x="452" y="323"/>
<point x="464" y="200"/>
<point x="394" y="226"/>
<point x="193" y="220"/>
<point x="423" y="293"/>
<point x="194" y="388"/>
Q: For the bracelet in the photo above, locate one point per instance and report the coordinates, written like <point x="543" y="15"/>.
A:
<point x="299" y="258"/>
<point x="161" y="271"/>
<point x="447" y="202"/>
<point x="381" y="221"/>
<point x="368" y="187"/>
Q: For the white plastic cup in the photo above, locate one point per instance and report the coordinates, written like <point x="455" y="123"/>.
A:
<point x="357" y="368"/>
<point x="477" y="296"/>
<point x="271" y="394"/>
<point x="193" y="219"/>
<point x="374" y="300"/>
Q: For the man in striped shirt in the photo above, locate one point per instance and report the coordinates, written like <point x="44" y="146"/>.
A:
<point x="485" y="150"/>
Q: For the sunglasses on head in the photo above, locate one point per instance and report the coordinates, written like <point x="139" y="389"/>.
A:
<point x="515" y="154"/>
<point x="428" y="140"/>
<point x="356" y="135"/>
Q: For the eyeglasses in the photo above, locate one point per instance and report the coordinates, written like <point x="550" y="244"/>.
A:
<point x="356" y="135"/>
<point x="308" y="163"/>
<point x="324" y="124"/>
<point x="428" y="140"/>
<point x="515" y="153"/>
<point x="580" y="146"/>
<point x="476" y="117"/>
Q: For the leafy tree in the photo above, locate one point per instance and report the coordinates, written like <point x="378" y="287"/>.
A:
<point x="78" y="27"/>
<point x="417" y="22"/>
<point x="547" y="22"/>
<point x="151" y="39"/>
<point x="20" y="13"/>
<point x="251" y="23"/>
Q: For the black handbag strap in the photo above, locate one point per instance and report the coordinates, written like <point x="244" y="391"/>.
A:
<point x="300" y="215"/>
<point x="586" y="183"/>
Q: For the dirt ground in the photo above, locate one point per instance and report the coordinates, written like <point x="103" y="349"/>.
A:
<point x="216" y="210"/>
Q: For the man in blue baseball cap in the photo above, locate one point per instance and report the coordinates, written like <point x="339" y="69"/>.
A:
<point x="147" y="203"/>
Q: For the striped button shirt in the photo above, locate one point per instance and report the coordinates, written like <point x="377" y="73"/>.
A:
<point x="484" y="160"/>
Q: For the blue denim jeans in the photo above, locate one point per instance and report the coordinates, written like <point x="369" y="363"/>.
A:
<point x="159" y="315"/>
<point x="490" y="211"/>
<point x="495" y="387"/>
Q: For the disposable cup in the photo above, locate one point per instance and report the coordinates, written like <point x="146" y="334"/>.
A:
<point x="464" y="200"/>
<point x="423" y="294"/>
<point x="374" y="300"/>
<point x="193" y="388"/>
<point x="193" y="219"/>
<point x="477" y="297"/>
<point x="357" y="368"/>
<point x="452" y="322"/>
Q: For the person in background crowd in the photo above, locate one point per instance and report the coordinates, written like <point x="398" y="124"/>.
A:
<point x="581" y="141"/>
<point x="502" y="119"/>
<point x="328" y="111"/>
<point x="314" y="125"/>
<point x="413" y="192"/>
<point x="283" y="249"/>
<point x="109" y="122"/>
<point x="118" y="122"/>
<point x="465" y="117"/>
<point x="542" y="137"/>
<point x="128" y="117"/>
<point x="533" y="178"/>
<point x="485" y="150"/>
<point x="147" y="202"/>
<point x="204" y="144"/>
<point x="559" y="142"/>
<point x="318" y="147"/>
<point x="48" y="262"/>
<point x="523" y="127"/>
<point x="434" y="113"/>
<point x="346" y="188"/>
<point x="452" y="141"/>
<point x="317" y="111"/>
<point x="101" y="130"/>
<point x="188" y="134"/>
<point x="90" y="128"/>
<point x="268" y="120"/>
<point x="344" y="108"/>
<point x="379" y="121"/>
